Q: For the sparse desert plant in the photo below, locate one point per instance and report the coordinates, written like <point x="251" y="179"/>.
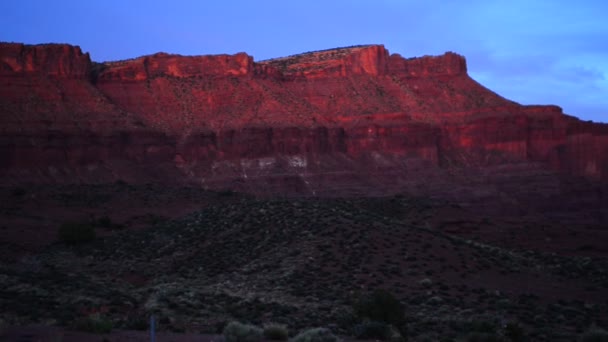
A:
<point x="276" y="332"/>
<point x="594" y="334"/>
<point x="315" y="335"/>
<point x="426" y="282"/>
<point x="515" y="333"/>
<point x="483" y="337"/>
<point x="136" y="323"/>
<point x="18" y="192"/>
<point x="75" y="233"/>
<point x="226" y="193"/>
<point x="372" y="330"/>
<point x="105" y="222"/>
<point x="239" y="332"/>
<point x="382" y="306"/>
<point x="94" y="324"/>
<point x="480" y="326"/>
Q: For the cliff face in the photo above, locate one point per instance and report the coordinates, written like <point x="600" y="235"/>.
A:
<point x="165" y="65"/>
<point x="353" y="119"/>
<point x="49" y="60"/>
<point x="360" y="60"/>
<point x="450" y="64"/>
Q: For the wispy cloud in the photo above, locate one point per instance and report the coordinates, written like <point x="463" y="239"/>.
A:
<point x="542" y="51"/>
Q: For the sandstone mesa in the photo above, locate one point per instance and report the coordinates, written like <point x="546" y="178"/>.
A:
<point x="338" y="121"/>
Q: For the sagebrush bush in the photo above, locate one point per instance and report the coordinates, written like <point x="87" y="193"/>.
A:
<point x="74" y="233"/>
<point x="372" y="330"/>
<point x="239" y="332"/>
<point x="18" y="192"/>
<point x="594" y="334"/>
<point x="483" y="337"/>
<point x="481" y="326"/>
<point x="105" y="222"/>
<point x="426" y="282"/>
<point x="277" y="332"/>
<point x="381" y="306"/>
<point x="136" y="323"/>
<point x="315" y="335"/>
<point x="515" y="333"/>
<point x="94" y="324"/>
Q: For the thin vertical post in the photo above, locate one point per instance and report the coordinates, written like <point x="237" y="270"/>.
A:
<point x="152" y="329"/>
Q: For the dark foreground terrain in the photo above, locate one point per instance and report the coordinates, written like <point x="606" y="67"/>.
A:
<point x="198" y="259"/>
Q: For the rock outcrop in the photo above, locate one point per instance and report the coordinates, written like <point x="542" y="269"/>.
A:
<point x="166" y="65"/>
<point x="340" y="121"/>
<point x="48" y="60"/>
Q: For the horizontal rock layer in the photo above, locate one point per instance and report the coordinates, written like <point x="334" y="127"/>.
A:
<point x="346" y="119"/>
<point x="50" y="60"/>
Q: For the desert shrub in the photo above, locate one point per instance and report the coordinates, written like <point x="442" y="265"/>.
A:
<point x="594" y="334"/>
<point x="515" y="333"/>
<point x="239" y="332"/>
<point x="315" y="335"/>
<point x="154" y="219"/>
<point x="93" y="324"/>
<point x="105" y="222"/>
<point x="74" y="233"/>
<point x="477" y="336"/>
<point x="18" y="192"/>
<point x="480" y="326"/>
<point x="219" y="327"/>
<point x="120" y="182"/>
<point x="346" y="318"/>
<point x="276" y="332"/>
<point x="226" y="193"/>
<point x="136" y="323"/>
<point x="381" y="306"/>
<point x="426" y="282"/>
<point x="371" y="330"/>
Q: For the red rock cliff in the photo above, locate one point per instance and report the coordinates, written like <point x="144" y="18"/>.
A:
<point x="50" y="60"/>
<point x="366" y="59"/>
<point x="162" y="64"/>
<point x="448" y="64"/>
<point x="310" y="118"/>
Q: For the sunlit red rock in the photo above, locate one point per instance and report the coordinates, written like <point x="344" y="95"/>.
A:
<point x="166" y="65"/>
<point x="354" y="117"/>
<point x="50" y="60"/>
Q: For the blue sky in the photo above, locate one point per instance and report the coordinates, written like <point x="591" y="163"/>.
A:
<point x="530" y="51"/>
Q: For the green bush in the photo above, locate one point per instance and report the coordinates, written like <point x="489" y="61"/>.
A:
<point x="315" y="335"/>
<point x="381" y="306"/>
<point x="276" y="332"/>
<point x="594" y="334"/>
<point x="239" y="332"/>
<point x="76" y="233"/>
<point x="371" y="330"/>
<point x="93" y="324"/>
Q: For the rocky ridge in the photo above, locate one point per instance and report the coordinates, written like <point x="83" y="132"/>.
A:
<point x="287" y="123"/>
